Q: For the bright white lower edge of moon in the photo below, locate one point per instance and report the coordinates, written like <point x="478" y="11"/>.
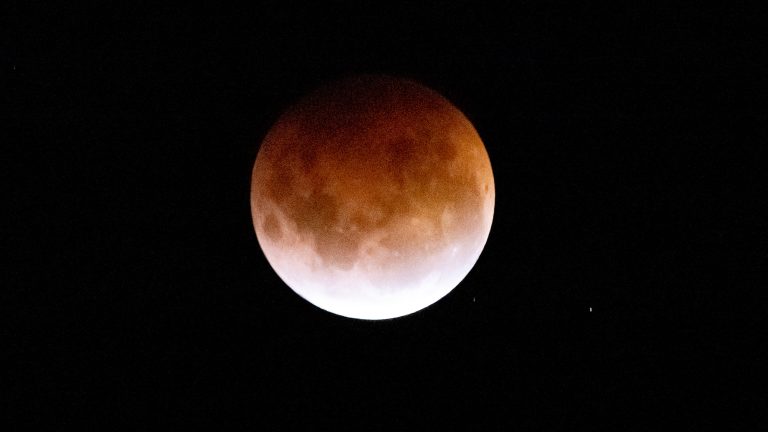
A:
<point x="372" y="198"/>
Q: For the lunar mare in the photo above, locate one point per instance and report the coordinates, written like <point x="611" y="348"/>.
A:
<point x="372" y="197"/>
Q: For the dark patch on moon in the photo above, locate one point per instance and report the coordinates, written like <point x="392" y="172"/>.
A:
<point x="271" y="227"/>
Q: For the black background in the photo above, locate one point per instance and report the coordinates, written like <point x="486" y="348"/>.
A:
<point x="626" y="147"/>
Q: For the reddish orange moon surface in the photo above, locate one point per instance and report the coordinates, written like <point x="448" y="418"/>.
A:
<point x="372" y="197"/>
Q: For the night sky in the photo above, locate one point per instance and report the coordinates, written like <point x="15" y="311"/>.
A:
<point x="626" y="244"/>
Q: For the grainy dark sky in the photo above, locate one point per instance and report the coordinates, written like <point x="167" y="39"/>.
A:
<point x="626" y="154"/>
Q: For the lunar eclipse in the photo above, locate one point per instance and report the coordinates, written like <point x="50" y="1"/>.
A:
<point x="372" y="197"/>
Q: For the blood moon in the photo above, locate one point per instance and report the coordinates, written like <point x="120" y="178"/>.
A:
<point x="372" y="197"/>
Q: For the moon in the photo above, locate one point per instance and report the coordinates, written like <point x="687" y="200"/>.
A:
<point x="372" y="197"/>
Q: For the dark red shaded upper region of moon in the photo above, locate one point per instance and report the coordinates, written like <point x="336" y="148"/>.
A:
<point x="371" y="162"/>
